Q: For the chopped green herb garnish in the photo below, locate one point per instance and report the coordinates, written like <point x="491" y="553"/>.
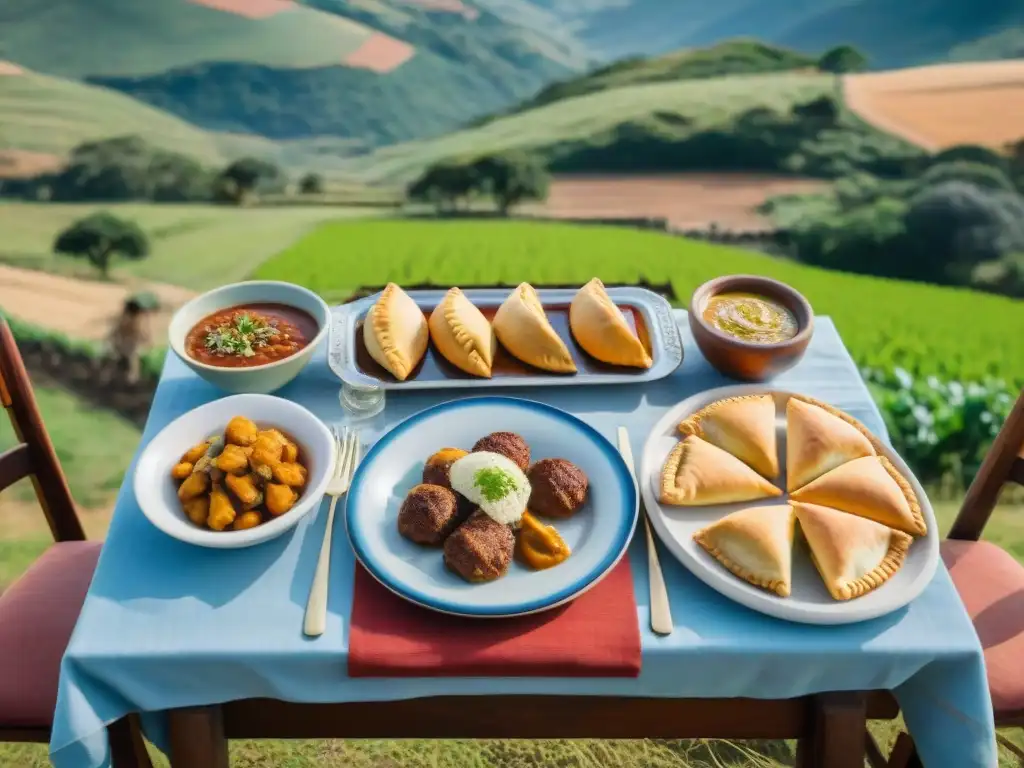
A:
<point x="242" y="336"/>
<point x="495" y="483"/>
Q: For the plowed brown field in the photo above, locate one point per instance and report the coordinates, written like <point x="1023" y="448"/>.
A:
<point x="686" y="200"/>
<point x="946" y="104"/>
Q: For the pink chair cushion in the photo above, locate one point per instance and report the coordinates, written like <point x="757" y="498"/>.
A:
<point x="991" y="585"/>
<point x="37" y="614"/>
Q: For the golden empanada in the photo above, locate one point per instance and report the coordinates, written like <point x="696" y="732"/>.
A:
<point x="462" y="334"/>
<point x="854" y="555"/>
<point x="395" y="332"/>
<point x="869" y="487"/>
<point x="698" y="473"/>
<point x="523" y="329"/>
<point x="744" y="426"/>
<point x="819" y="438"/>
<point x="756" y="544"/>
<point x="601" y="329"/>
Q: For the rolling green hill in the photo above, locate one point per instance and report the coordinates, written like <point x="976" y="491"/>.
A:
<point x="51" y="115"/>
<point x="582" y="133"/>
<point x="923" y="328"/>
<point x="1005" y="44"/>
<point x="892" y="33"/>
<point x="121" y="37"/>
<point x="375" y="71"/>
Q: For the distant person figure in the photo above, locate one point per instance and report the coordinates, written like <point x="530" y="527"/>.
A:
<point x="129" y="337"/>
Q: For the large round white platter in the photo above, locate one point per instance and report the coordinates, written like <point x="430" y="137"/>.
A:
<point x="598" y="534"/>
<point x="809" y="602"/>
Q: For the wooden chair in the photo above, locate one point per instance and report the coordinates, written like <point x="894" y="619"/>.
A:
<point x="39" y="611"/>
<point x="991" y="584"/>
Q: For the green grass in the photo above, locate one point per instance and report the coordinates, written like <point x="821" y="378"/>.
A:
<point x="194" y="246"/>
<point x="51" y="115"/>
<point x="124" y="37"/>
<point x="94" y="446"/>
<point x="705" y="103"/>
<point x="959" y="333"/>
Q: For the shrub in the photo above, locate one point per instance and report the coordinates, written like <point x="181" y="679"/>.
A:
<point x="970" y="153"/>
<point x="311" y="184"/>
<point x="978" y="174"/>
<point x="943" y="429"/>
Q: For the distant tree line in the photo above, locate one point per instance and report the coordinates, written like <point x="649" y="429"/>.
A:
<point x="128" y="168"/>
<point x="506" y="179"/>
<point x="959" y="221"/>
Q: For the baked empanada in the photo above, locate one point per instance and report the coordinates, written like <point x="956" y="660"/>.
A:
<point x="698" y="473"/>
<point x="854" y="555"/>
<point x="523" y="329"/>
<point x="462" y="334"/>
<point x="601" y="329"/>
<point x="395" y="332"/>
<point x="756" y="544"/>
<point x="744" y="426"/>
<point x="869" y="487"/>
<point x="819" y="438"/>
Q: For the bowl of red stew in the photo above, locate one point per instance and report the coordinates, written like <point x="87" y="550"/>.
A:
<point x="250" y="337"/>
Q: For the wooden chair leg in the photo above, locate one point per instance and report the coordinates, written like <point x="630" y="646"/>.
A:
<point x="127" y="747"/>
<point x="197" y="738"/>
<point x="904" y="753"/>
<point x="804" y="748"/>
<point x="840" y="720"/>
<point x="874" y="753"/>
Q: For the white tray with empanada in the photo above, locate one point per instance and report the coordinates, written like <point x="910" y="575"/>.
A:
<point x="648" y="316"/>
<point x="875" y="568"/>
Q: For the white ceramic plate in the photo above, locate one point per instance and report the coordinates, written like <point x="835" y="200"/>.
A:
<point x="598" y="534"/>
<point x="809" y="602"/>
<point x="156" y="492"/>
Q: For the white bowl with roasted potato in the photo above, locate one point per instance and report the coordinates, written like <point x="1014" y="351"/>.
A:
<point x="235" y="472"/>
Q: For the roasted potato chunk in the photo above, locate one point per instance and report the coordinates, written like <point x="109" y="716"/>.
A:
<point x="222" y="511"/>
<point x="182" y="470"/>
<point x="247" y="520"/>
<point x="197" y="451"/>
<point x="290" y="452"/>
<point x="241" y="431"/>
<point x="246" y="489"/>
<point x="290" y="474"/>
<point x="195" y="484"/>
<point x="198" y="510"/>
<point x="279" y="498"/>
<point x="233" y="460"/>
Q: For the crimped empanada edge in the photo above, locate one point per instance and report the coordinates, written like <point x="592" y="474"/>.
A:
<point x="778" y="586"/>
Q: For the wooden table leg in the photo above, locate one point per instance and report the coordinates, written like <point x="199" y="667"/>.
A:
<point x="196" y="736"/>
<point x="840" y="720"/>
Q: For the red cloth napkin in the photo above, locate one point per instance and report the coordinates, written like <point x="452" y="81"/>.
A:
<point x="595" y="635"/>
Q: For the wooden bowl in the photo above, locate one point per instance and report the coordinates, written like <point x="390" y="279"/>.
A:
<point x="745" y="360"/>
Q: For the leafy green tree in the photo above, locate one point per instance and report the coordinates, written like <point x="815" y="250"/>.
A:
<point x="513" y="177"/>
<point x="444" y="185"/>
<point x="312" y="184"/>
<point x="1016" y="163"/>
<point x="101" y="236"/>
<point x="953" y="227"/>
<point x="970" y="153"/>
<point x="242" y="177"/>
<point x="842" y="59"/>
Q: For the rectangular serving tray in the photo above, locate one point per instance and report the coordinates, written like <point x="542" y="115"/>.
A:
<point x="655" y="312"/>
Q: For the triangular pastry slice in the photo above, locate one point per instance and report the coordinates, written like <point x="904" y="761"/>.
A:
<point x="698" y="473"/>
<point x="756" y="544"/>
<point x="599" y="326"/>
<point x="462" y="334"/>
<point x="744" y="426"/>
<point x="523" y="329"/>
<point x="869" y="487"/>
<point x="395" y="332"/>
<point x="818" y="439"/>
<point x="854" y="555"/>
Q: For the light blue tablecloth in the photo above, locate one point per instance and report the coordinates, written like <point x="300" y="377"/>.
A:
<point x="167" y="625"/>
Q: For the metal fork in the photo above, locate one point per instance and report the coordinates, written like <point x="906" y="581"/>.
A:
<point x="346" y="449"/>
